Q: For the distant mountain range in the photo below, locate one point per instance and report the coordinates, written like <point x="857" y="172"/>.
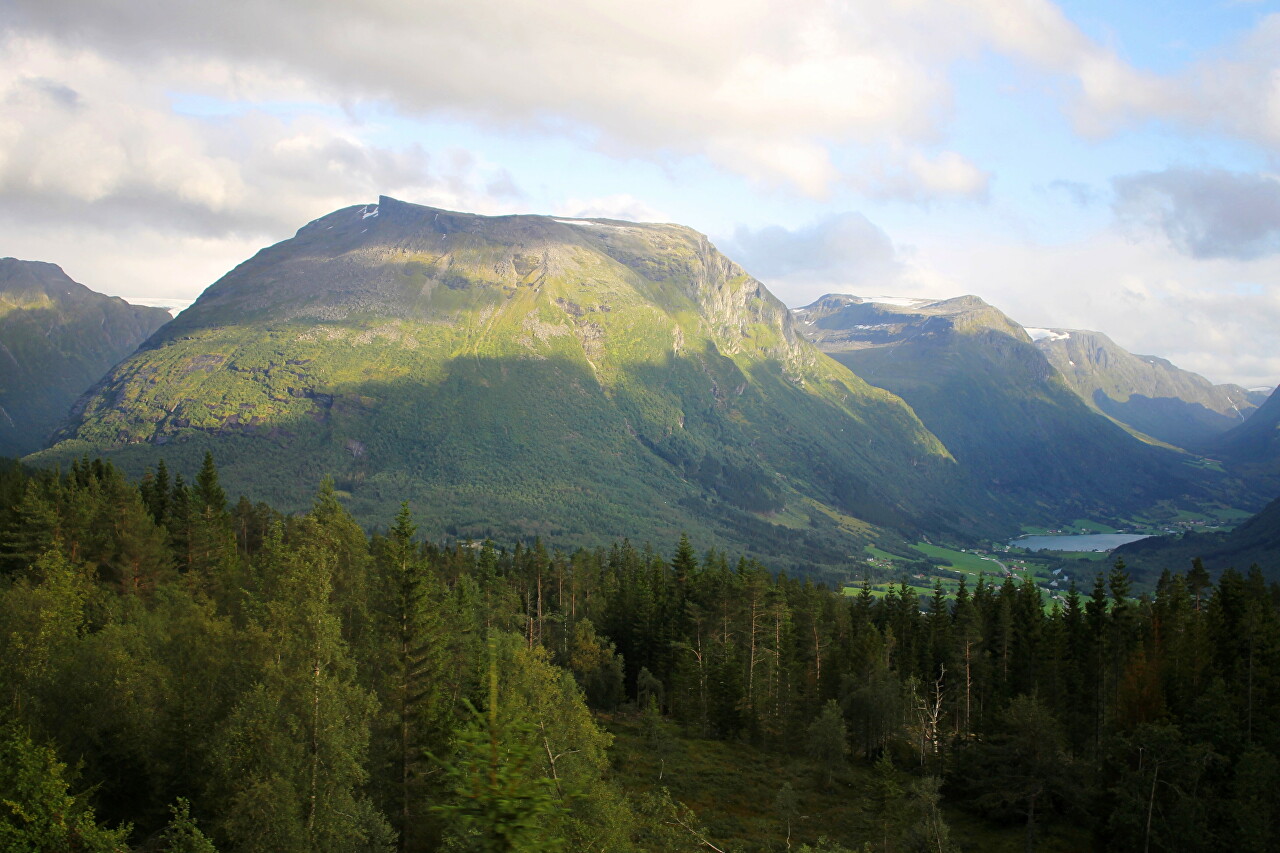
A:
<point x="1144" y="392"/>
<point x="1018" y="429"/>
<point x="57" y="338"/>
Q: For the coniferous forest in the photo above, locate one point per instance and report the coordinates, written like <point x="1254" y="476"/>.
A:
<point x="181" y="672"/>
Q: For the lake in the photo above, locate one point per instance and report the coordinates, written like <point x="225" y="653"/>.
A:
<point x="1079" y="542"/>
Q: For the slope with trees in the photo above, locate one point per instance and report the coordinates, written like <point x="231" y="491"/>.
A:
<point x="225" y="676"/>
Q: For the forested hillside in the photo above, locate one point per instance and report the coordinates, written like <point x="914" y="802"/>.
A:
<point x="183" y="673"/>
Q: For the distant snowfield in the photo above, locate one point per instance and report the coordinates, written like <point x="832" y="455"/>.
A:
<point x="174" y="305"/>
<point x="590" y="223"/>
<point x="1047" y="334"/>
<point x="899" y="301"/>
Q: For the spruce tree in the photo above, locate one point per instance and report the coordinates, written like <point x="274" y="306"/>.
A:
<point x="415" y="690"/>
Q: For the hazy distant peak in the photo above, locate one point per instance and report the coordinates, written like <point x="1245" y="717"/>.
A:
<point x="832" y="300"/>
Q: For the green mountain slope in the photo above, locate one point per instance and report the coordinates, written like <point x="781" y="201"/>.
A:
<point x="57" y="337"/>
<point x="523" y="374"/>
<point x="1147" y="393"/>
<point x="1024" y="440"/>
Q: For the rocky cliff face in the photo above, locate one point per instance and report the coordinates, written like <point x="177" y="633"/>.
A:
<point x="57" y="337"/>
<point x="586" y="378"/>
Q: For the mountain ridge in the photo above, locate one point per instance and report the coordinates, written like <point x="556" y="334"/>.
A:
<point x="1148" y="393"/>
<point x="524" y="374"/>
<point x="977" y="380"/>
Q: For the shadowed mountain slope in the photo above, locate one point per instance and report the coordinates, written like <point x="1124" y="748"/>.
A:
<point x="1147" y="393"/>
<point x="1252" y="449"/>
<point x="1256" y="541"/>
<point x="57" y="337"/>
<point x="976" y="380"/>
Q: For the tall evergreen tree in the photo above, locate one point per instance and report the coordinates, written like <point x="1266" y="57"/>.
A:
<point x="415" y="689"/>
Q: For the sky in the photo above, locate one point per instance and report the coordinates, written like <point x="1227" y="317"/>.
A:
<point x="1091" y="165"/>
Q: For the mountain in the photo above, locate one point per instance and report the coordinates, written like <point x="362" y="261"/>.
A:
<point x="1252" y="449"/>
<point x="57" y="337"/>
<point x="517" y="375"/>
<point x="1256" y="541"/>
<point x="977" y="381"/>
<point x="1147" y="393"/>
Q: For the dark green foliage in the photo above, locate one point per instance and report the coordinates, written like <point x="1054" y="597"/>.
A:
<point x="293" y="683"/>
<point x="828" y="743"/>
<point x="37" y="813"/>
<point x="1023" y="768"/>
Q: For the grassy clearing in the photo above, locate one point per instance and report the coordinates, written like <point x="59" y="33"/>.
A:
<point x="1084" y="525"/>
<point x="880" y="590"/>
<point x="960" y="561"/>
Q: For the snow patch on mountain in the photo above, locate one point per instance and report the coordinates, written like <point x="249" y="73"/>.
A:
<point x="899" y="301"/>
<point x="173" y="305"/>
<point x="1047" y="334"/>
<point x="591" y="223"/>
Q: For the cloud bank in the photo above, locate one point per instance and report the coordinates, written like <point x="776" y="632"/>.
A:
<point x="765" y="89"/>
<point x="1205" y="213"/>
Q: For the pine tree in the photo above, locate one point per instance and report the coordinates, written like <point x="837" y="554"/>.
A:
<point x="156" y="493"/>
<point x="415" y="691"/>
<point x="36" y="527"/>
<point x="828" y="742"/>
<point x="209" y="495"/>
<point x="182" y="835"/>
<point x="502" y="804"/>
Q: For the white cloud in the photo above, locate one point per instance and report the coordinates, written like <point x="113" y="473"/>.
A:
<point x="91" y="140"/>
<point x="620" y="206"/>
<point x="913" y="175"/>
<point x="93" y="159"/>
<point x="845" y="253"/>
<point x="1234" y="91"/>
<point x="763" y="88"/>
